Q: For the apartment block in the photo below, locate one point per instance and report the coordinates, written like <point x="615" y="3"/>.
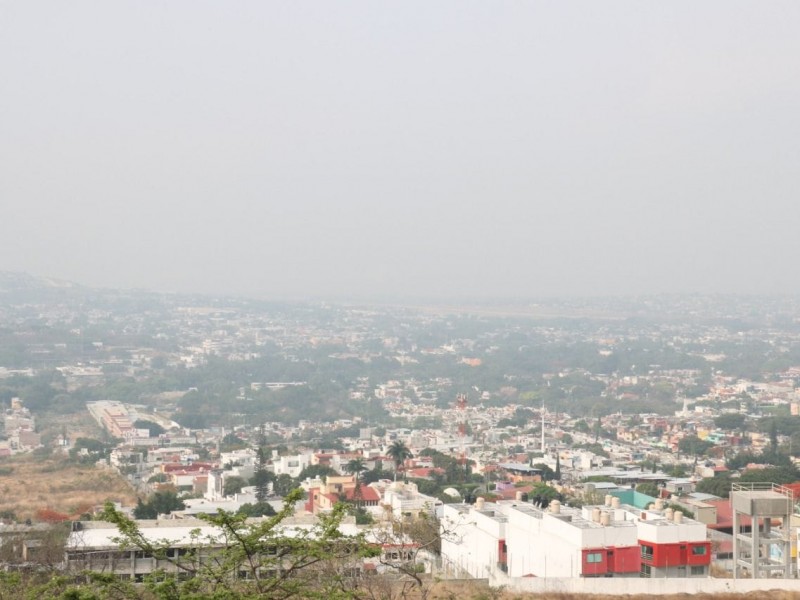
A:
<point x="612" y="540"/>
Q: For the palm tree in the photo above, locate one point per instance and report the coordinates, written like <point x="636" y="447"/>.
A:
<point x="399" y="453"/>
<point x="356" y="466"/>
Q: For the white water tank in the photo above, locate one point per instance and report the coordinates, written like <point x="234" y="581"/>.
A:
<point x="615" y="502"/>
<point x="480" y="502"/>
<point x="605" y="519"/>
<point x="596" y="515"/>
<point x="609" y="499"/>
<point x="555" y="507"/>
<point x="678" y="516"/>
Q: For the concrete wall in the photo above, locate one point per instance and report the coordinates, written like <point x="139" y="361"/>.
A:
<point x="634" y="586"/>
<point x="470" y="540"/>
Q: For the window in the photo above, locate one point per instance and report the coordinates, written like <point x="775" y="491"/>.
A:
<point x="647" y="551"/>
<point x="352" y="572"/>
<point x="594" y="557"/>
<point x="698" y="570"/>
<point x="645" y="571"/>
<point x="699" y="550"/>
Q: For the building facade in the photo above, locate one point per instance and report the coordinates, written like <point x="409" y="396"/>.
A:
<point x="612" y="540"/>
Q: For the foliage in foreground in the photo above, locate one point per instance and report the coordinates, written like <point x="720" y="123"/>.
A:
<point x="245" y="559"/>
<point x="253" y="559"/>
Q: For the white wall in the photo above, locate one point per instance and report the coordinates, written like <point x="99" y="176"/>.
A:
<point x="635" y="587"/>
<point x="551" y="547"/>
<point x="470" y="538"/>
<point x="535" y="549"/>
<point x="291" y="465"/>
<point x="658" y="530"/>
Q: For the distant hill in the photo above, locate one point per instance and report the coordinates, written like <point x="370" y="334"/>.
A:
<point x="18" y="287"/>
<point x="17" y="280"/>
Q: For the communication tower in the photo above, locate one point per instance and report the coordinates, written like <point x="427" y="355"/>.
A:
<point x="461" y="406"/>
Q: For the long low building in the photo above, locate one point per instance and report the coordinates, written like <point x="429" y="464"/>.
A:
<point x="96" y="546"/>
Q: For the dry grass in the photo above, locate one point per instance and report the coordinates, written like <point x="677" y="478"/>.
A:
<point x="465" y="590"/>
<point x="28" y="484"/>
<point x="771" y="595"/>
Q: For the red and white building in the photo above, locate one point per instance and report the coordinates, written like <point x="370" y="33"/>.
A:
<point x="673" y="546"/>
<point x="520" y="540"/>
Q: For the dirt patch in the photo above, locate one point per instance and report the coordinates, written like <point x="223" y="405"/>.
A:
<point x="480" y="590"/>
<point x="29" y="485"/>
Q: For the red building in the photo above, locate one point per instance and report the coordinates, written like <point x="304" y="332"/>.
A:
<point x="672" y="546"/>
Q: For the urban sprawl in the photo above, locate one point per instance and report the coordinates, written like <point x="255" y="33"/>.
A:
<point x="525" y="444"/>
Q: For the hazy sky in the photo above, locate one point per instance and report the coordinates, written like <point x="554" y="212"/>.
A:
<point x="395" y="149"/>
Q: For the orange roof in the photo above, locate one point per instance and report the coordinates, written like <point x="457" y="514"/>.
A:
<point x="368" y="494"/>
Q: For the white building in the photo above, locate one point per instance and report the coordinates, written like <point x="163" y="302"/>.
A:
<point x="473" y="538"/>
<point x="569" y="542"/>
<point x="521" y="540"/>
<point x="243" y="458"/>
<point x="405" y="501"/>
<point x="291" y="465"/>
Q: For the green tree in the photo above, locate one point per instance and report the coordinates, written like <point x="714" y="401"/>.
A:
<point x="232" y="442"/>
<point x="374" y="475"/>
<point x="284" y="484"/>
<point x="399" y="453"/>
<point x="89" y="450"/>
<point x="694" y="446"/>
<point x="730" y="421"/>
<point x="160" y="503"/>
<point x="718" y="486"/>
<point x="741" y="460"/>
<point x="259" y="509"/>
<point x="780" y="475"/>
<point x="773" y="436"/>
<point x="303" y="563"/>
<point x="233" y="485"/>
<point x="261" y="477"/>
<point x="542" y="494"/>
<point x="314" y="471"/>
<point x="676" y="470"/>
<point x="648" y="489"/>
<point x="362" y="516"/>
<point x="355" y="467"/>
<point x="547" y="473"/>
<point x="582" y="426"/>
<point x="154" y="428"/>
